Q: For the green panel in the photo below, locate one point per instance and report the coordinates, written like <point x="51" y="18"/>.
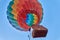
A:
<point x="12" y="20"/>
<point x="9" y="9"/>
<point x="11" y="3"/>
<point x="10" y="15"/>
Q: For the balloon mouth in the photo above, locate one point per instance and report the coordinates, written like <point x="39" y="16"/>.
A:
<point x="26" y="18"/>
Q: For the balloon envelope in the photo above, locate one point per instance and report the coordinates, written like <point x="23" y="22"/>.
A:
<point x="22" y="14"/>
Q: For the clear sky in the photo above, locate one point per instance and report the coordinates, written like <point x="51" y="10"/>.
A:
<point x="51" y="20"/>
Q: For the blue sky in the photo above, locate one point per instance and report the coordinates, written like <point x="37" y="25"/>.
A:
<point x="51" y="20"/>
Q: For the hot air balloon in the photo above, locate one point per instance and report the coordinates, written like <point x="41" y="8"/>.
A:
<point x="26" y="14"/>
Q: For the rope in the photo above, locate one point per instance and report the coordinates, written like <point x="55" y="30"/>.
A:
<point x="29" y="34"/>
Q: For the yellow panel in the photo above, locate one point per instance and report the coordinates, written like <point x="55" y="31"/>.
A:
<point x="15" y="17"/>
<point x="34" y="14"/>
<point x="14" y="12"/>
<point x="14" y="7"/>
<point x="35" y="18"/>
<point x="35" y="21"/>
<point x="16" y="1"/>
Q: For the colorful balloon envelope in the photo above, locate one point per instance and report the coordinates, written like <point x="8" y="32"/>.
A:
<point x="22" y="14"/>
